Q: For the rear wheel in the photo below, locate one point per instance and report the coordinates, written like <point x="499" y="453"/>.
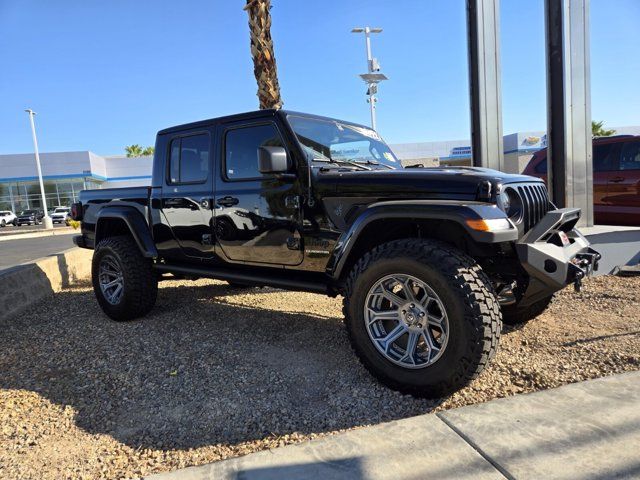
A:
<point x="124" y="282"/>
<point x="422" y="316"/>
<point x="516" y="314"/>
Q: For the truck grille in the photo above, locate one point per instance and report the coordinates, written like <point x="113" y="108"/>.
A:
<point x="535" y="200"/>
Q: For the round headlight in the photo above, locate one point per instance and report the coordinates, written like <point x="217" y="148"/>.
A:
<point x="511" y="204"/>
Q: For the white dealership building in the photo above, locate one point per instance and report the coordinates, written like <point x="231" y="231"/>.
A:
<point x="66" y="173"/>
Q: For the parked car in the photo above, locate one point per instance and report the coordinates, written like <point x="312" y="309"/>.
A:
<point x="429" y="261"/>
<point x="616" y="178"/>
<point x="60" y="215"/>
<point x="30" y="217"/>
<point x="7" y="217"/>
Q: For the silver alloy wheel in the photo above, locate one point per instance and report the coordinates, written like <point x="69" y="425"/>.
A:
<point x="406" y="321"/>
<point x="111" y="279"/>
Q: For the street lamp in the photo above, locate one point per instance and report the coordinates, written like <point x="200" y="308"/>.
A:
<point x="48" y="224"/>
<point x="371" y="78"/>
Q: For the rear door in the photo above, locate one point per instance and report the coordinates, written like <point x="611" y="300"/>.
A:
<point x="256" y="215"/>
<point x="623" y="193"/>
<point x="187" y="192"/>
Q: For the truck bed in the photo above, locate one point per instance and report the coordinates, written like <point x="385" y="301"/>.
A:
<point x="95" y="200"/>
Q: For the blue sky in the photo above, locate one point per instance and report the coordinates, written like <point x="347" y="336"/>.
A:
<point x="102" y="75"/>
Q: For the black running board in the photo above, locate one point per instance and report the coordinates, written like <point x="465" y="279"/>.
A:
<point x="278" y="278"/>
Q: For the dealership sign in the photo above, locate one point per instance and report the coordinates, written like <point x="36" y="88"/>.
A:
<point x="534" y="142"/>
<point x="461" y="152"/>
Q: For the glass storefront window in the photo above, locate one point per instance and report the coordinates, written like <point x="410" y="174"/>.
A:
<point x="18" y="196"/>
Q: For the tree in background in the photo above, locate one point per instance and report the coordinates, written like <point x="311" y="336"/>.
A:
<point x="264" y="60"/>
<point x="133" y="150"/>
<point x="597" y="129"/>
<point x="137" y="151"/>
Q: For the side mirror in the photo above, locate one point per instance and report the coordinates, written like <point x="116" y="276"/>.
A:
<point x="272" y="160"/>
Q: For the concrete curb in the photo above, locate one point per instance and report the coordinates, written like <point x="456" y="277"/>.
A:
<point x="37" y="234"/>
<point x="24" y="285"/>
<point x="589" y="429"/>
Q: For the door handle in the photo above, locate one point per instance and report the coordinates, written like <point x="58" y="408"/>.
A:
<point x="616" y="179"/>
<point x="227" y="201"/>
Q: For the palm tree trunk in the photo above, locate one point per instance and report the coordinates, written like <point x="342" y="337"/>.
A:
<point x="264" y="60"/>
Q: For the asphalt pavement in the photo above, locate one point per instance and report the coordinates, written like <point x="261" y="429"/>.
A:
<point x="21" y="250"/>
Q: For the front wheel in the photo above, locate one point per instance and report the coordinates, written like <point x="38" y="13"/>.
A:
<point x="422" y="316"/>
<point x="3" y="223"/>
<point x="124" y="282"/>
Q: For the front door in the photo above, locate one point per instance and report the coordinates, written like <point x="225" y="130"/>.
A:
<point x="256" y="216"/>
<point x="187" y="193"/>
<point x="623" y="192"/>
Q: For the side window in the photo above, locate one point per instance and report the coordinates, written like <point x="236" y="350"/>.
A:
<point x="189" y="159"/>
<point x="241" y="150"/>
<point x="604" y="157"/>
<point x="630" y="156"/>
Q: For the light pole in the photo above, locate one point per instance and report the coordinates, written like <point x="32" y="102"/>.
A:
<point x="371" y="78"/>
<point x="48" y="224"/>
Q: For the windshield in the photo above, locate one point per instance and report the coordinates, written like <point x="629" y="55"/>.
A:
<point x="332" y="140"/>
<point x="27" y="212"/>
<point x="61" y="210"/>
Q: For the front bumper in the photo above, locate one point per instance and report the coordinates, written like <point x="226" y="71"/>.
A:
<point x="552" y="265"/>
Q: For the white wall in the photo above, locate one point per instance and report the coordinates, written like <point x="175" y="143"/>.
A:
<point x="120" y="166"/>
<point x="53" y="164"/>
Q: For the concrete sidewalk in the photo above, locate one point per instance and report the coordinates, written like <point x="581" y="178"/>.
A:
<point x="584" y="430"/>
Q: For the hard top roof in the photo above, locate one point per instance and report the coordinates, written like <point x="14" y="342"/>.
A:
<point x="256" y="114"/>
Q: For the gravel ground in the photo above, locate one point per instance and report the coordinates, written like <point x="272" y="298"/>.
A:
<point x="214" y="373"/>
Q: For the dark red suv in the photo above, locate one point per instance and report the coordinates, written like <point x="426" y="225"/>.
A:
<point x="616" y="178"/>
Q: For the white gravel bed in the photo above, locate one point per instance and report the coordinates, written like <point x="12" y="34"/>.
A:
<point x="213" y="373"/>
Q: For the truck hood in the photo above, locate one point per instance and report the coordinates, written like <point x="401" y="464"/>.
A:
<point x="454" y="183"/>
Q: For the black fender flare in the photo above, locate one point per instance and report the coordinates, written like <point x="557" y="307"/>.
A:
<point x="459" y="212"/>
<point x="135" y="222"/>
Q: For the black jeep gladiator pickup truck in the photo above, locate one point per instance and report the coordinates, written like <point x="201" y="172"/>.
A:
<point x="430" y="261"/>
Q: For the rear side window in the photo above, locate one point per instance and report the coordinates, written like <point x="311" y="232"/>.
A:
<point x="604" y="157"/>
<point x="189" y="159"/>
<point x="630" y="156"/>
<point x="542" y="166"/>
<point x="241" y="150"/>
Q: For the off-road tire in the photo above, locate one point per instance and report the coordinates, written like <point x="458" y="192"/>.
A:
<point x="516" y="314"/>
<point x="468" y="298"/>
<point x="140" y="280"/>
<point x="3" y="223"/>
